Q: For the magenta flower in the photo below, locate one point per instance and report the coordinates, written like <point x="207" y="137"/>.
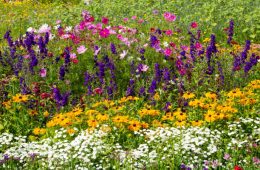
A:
<point x="194" y="25"/>
<point x="105" y="20"/>
<point x="168" y="52"/>
<point x="256" y="160"/>
<point x="104" y="33"/>
<point x="43" y="72"/>
<point x="126" y="19"/>
<point x="169" y="16"/>
<point x="134" y="17"/>
<point x="81" y="49"/>
<point x="198" y="46"/>
<point x="168" y="32"/>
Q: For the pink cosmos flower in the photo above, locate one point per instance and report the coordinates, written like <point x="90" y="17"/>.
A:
<point x="126" y="19"/>
<point x="44" y="28"/>
<point x="168" y="32"/>
<point x="81" y="49"/>
<point x="99" y="26"/>
<point x="143" y="68"/>
<point x="43" y="72"/>
<point x="97" y="51"/>
<point x="120" y="37"/>
<point x="167" y="52"/>
<point x="105" y="20"/>
<point x="198" y="46"/>
<point x="73" y="56"/>
<point x="104" y="33"/>
<point x="169" y="16"/>
<point x="256" y="160"/>
<point x="194" y="25"/>
<point x="98" y="90"/>
<point x="226" y="156"/>
<point x="58" y="21"/>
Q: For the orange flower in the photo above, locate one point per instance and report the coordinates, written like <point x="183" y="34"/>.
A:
<point x="92" y="123"/>
<point x="134" y="125"/>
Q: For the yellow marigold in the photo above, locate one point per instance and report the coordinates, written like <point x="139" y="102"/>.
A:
<point x="188" y="95"/>
<point x="197" y="123"/>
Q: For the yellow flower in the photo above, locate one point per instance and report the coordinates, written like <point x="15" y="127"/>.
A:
<point x="235" y="93"/>
<point x="206" y="40"/>
<point x="18" y="98"/>
<point x="92" y="123"/>
<point x="197" y="123"/>
<point x="7" y="104"/>
<point x="36" y="131"/>
<point x="71" y="131"/>
<point x="220" y="116"/>
<point x="46" y="114"/>
<point x="102" y="117"/>
<point x="156" y="96"/>
<point x="33" y="112"/>
<point x="180" y="123"/>
<point x="181" y="116"/>
<point x="120" y="119"/>
<point x="134" y="125"/>
<point x="211" y="95"/>
<point x="210" y="116"/>
<point x="188" y="95"/>
<point x="156" y="123"/>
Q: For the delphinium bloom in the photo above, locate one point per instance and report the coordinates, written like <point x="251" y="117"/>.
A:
<point x="131" y="88"/>
<point x="18" y="66"/>
<point x="152" y="87"/>
<point x="42" y="47"/>
<point x="157" y="72"/>
<point x="24" y="88"/>
<point x="62" y="72"/>
<point x="252" y="62"/>
<point x="113" y="48"/>
<point x="245" y="51"/>
<point x="61" y="100"/>
<point x="230" y="31"/>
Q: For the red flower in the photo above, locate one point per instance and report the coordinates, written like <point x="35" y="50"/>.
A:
<point x="238" y="168"/>
<point x="45" y="95"/>
<point x="194" y="25"/>
<point x="98" y="90"/>
<point x="105" y="20"/>
<point x="75" y="61"/>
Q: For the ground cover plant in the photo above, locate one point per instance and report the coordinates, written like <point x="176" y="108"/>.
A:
<point x="132" y="91"/>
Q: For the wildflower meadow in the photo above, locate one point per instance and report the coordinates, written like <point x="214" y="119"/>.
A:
<point x="136" y="84"/>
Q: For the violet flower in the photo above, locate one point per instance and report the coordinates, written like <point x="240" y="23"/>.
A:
<point x="230" y="31"/>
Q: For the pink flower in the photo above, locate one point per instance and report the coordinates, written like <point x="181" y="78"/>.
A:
<point x="256" y="160"/>
<point x="167" y="52"/>
<point x="81" y="49"/>
<point x="43" y="72"/>
<point x="120" y="37"/>
<point x="185" y="48"/>
<point x="99" y="26"/>
<point x="194" y="25"/>
<point x="134" y="17"/>
<point x="44" y="28"/>
<point x="142" y="67"/>
<point x="104" y="33"/>
<point x="58" y="21"/>
<point x="198" y="46"/>
<point x="126" y="19"/>
<point x="73" y="56"/>
<point x="169" y="16"/>
<point x="226" y="156"/>
<point x="140" y="21"/>
<point x="168" y="32"/>
<point x="105" y="20"/>
<point x="26" y="56"/>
